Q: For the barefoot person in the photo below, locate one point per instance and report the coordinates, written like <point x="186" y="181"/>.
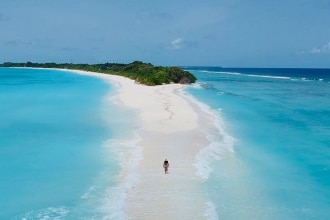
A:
<point x="166" y="165"/>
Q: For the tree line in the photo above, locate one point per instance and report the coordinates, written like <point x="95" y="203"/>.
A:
<point x="144" y="73"/>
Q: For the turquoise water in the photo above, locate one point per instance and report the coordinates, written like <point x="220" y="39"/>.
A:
<point x="56" y="157"/>
<point x="277" y="164"/>
<point x="63" y="144"/>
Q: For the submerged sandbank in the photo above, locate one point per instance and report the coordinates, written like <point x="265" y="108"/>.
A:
<point x="172" y="127"/>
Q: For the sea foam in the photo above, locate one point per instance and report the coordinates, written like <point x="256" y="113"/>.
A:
<point x="54" y="213"/>
<point x="211" y="212"/>
<point x="220" y="142"/>
<point x="129" y="155"/>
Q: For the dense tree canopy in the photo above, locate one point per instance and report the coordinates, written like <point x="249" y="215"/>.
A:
<point x="144" y="73"/>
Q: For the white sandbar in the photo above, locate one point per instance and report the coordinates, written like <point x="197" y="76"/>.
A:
<point x="172" y="127"/>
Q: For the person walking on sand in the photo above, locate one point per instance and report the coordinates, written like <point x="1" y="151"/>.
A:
<point x="166" y="165"/>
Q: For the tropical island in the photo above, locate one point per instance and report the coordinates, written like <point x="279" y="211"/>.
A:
<point x="144" y="73"/>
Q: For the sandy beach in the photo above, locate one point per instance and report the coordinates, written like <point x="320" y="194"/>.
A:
<point x="173" y="128"/>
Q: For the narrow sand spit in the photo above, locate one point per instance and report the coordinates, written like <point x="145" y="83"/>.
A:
<point x="173" y="128"/>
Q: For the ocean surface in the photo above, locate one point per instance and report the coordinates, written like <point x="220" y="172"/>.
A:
<point x="57" y="138"/>
<point x="63" y="144"/>
<point x="270" y="157"/>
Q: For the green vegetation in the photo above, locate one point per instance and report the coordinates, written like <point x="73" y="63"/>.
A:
<point x="144" y="73"/>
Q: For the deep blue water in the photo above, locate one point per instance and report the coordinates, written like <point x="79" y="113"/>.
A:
<point x="279" y="120"/>
<point x="293" y="73"/>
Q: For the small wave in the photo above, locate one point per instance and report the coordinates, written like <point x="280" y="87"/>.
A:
<point x="305" y="79"/>
<point x="229" y="73"/>
<point x="53" y="213"/>
<point x="210" y="212"/>
<point x="221" y="143"/>
<point x="129" y="155"/>
<point x="249" y="75"/>
<point x="197" y="85"/>
<point x="222" y="72"/>
<point x="90" y="191"/>
<point x="206" y="86"/>
<point x="269" y="76"/>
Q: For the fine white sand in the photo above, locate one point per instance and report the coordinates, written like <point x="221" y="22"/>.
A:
<point x="172" y="127"/>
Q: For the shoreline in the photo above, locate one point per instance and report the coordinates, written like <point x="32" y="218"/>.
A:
<point x="172" y="127"/>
